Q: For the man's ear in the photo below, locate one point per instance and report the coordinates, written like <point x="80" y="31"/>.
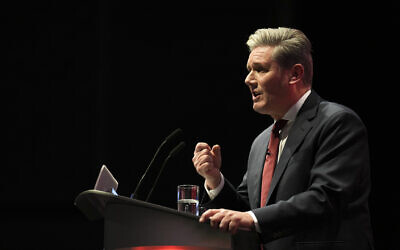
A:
<point x="296" y="73"/>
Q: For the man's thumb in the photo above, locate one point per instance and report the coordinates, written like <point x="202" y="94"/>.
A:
<point x="216" y="150"/>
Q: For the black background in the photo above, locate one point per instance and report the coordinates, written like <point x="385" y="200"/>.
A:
<point x="88" y="83"/>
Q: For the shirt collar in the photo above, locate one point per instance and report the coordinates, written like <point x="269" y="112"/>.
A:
<point x="292" y="112"/>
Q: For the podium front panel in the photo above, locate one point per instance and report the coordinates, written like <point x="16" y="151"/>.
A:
<point x="127" y="227"/>
<point x="131" y="224"/>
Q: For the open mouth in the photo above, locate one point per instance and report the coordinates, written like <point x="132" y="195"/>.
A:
<point x="255" y="94"/>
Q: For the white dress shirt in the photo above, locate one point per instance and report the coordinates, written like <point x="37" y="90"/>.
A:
<point x="290" y="116"/>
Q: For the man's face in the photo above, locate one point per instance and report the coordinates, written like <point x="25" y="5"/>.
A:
<point x="267" y="82"/>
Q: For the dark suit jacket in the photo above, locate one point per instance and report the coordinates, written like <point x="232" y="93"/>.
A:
<point x="319" y="192"/>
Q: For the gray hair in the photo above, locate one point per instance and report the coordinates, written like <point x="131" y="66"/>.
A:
<point x="291" y="46"/>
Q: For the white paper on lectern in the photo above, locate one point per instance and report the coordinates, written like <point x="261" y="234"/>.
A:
<point x="106" y="181"/>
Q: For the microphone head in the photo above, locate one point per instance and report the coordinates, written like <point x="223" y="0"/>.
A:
<point x="154" y="167"/>
<point x="177" y="149"/>
<point x="177" y="133"/>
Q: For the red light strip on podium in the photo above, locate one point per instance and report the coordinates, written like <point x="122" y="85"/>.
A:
<point x="169" y="248"/>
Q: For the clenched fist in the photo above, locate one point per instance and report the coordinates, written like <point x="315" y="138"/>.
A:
<point x="207" y="162"/>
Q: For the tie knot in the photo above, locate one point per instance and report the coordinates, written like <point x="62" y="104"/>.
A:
<point x="279" y="124"/>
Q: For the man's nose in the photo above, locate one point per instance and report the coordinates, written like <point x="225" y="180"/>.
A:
<point x="250" y="80"/>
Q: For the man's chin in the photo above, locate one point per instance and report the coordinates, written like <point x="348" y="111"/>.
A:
<point x="260" y="109"/>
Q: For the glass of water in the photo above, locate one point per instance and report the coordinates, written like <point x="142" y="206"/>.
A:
<point x="188" y="199"/>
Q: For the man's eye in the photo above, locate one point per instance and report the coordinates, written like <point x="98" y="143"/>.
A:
<point x="262" y="70"/>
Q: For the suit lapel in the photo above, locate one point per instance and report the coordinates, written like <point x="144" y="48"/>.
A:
<point x="299" y="130"/>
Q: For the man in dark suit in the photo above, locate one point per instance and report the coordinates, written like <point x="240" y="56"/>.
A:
<point x="316" y="196"/>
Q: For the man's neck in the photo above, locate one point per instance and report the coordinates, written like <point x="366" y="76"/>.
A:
<point x="290" y="104"/>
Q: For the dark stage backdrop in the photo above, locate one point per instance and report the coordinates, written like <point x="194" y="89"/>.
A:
<point x="92" y="83"/>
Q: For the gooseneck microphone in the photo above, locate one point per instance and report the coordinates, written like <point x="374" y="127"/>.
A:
<point x="173" y="152"/>
<point x="171" y="139"/>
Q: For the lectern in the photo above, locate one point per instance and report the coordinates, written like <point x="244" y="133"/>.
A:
<point x="138" y="225"/>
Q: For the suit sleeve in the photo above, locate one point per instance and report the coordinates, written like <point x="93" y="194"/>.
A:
<point x="338" y="180"/>
<point x="230" y="198"/>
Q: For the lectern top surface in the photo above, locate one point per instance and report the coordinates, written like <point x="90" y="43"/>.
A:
<point x="93" y="202"/>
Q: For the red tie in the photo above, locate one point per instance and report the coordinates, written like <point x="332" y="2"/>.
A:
<point x="270" y="160"/>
